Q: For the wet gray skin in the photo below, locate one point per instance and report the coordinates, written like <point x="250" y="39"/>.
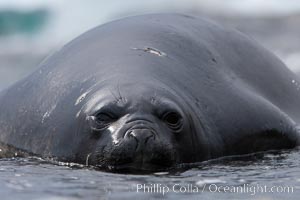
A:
<point x="151" y="92"/>
<point x="140" y="128"/>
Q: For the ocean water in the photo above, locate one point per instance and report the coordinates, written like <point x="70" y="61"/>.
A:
<point x="30" y="30"/>
<point x="273" y="175"/>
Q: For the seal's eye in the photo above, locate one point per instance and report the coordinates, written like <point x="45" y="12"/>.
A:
<point x="173" y="120"/>
<point x="105" y="118"/>
<point x="102" y="120"/>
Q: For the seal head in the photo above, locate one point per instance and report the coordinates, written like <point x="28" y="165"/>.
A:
<point x="138" y="126"/>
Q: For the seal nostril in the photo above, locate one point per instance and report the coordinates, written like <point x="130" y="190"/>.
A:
<point x="141" y="136"/>
<point x="146" y="140"/>
<point x="131" y="135"/>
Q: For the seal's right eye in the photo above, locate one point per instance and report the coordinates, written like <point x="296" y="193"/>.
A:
<point x="101" y="121"/>
<point x="105" y="118"/>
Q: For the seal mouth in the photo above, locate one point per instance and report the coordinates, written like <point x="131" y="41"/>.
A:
<point x="139" y="163"/>
<point x="124" y="158"/>
<point x="135" y="168"/>
<point x="139" y="147"/>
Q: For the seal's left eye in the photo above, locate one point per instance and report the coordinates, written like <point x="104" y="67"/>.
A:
<point x="173" y="120"/>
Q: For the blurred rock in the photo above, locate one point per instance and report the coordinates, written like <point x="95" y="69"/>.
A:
<point x="21" y="22"/>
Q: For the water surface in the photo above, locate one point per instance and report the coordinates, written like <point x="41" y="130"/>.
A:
<point x="34" y="178"/>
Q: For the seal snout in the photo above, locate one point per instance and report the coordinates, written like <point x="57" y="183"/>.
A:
<point x="139" y="137"/>
<point x="142" y="147"/>
<point x="141" y="132"/>
<point x="142" y="136"/>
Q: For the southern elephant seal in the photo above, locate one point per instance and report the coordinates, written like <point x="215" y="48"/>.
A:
<point x="149" y="92"/>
